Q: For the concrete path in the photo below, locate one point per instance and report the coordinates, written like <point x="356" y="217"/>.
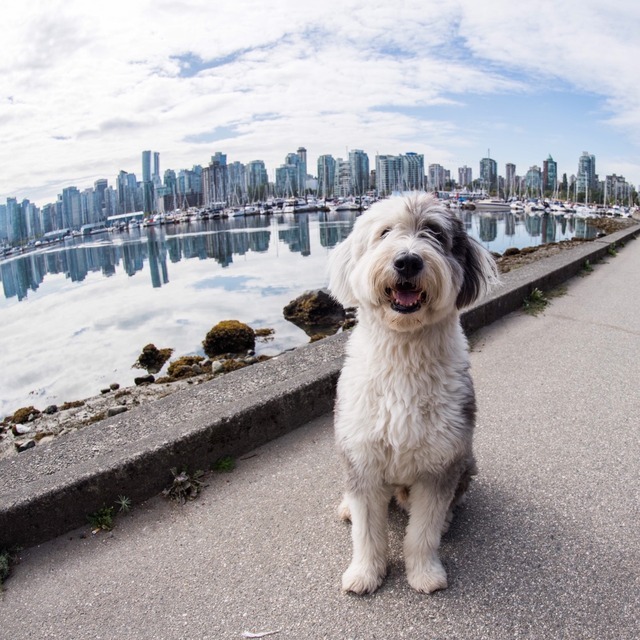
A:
<point x="548" y="545"/>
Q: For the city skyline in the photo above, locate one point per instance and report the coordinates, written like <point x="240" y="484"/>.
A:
<point x="153" y="178"/>
<point x="85" y="90"/>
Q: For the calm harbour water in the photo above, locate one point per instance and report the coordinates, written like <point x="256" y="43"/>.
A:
<point x="75" y="316"/>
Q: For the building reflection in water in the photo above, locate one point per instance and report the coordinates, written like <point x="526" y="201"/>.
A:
<point x="221" y="240"/>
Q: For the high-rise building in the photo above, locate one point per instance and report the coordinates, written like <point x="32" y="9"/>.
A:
<point x="587" y="179"/>
<point x="71" y="208"/>
<point x="291" y="177"/>
<point x="533" y="182"/>
<point x="388" y="174"/>
<point x="412" y="177"/>
<point x="16" y="224"/>
<point x="47" y="215"/>
<point x="99" y="203"/>
<point x="489" y="174"/>
<point x="3" y="223"/>
<point x="342" y="179"/>
<point x="616" y="189"/>
<point x="549" y="176"/>
<point x="155" y="176"/>
<point x="326" y="176"/>
<point x="257" y="181"/>
<point x="359" y="169"/>
<point x="215" y="180"/>
<point x="237" y="187"/>
<point x="510" y="178"/>
<point x="87" y="208"/>
<point x="436" y="177"/>
<point x="126" y="186"/>
<point x="150" y="179"/>
<point x="465" y="177"/>
<point x="302" y="170"/>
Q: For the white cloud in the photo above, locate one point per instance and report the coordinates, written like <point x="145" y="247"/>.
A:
<point x="87" y="86"/>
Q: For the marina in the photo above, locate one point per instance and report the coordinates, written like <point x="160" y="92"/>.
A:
<point x="77" y="313"/>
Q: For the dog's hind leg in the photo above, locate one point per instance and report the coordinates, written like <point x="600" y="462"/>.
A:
<point x="428" y="507"/>
<point x="368" y="511"/>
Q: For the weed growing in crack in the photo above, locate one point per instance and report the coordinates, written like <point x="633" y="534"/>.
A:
<point x="102" y="519"/>
<point x="535" y="302"/>
<point x="184" y="486"/>
<point x="225" y="464"/>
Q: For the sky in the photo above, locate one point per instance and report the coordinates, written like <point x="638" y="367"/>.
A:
<point x="85" y="87"/>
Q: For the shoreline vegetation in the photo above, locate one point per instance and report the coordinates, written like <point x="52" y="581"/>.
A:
<point x="228" y="346"/>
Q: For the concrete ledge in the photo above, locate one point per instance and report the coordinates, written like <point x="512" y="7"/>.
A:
<point x="50" y="489"/>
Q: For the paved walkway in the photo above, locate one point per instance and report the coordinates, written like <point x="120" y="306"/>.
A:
<point x="548" y="545"/>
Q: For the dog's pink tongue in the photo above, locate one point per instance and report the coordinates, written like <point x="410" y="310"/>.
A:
<point x="407" y="298"/>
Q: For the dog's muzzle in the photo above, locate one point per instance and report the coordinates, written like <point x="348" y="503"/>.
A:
<point x="405" y="296"/>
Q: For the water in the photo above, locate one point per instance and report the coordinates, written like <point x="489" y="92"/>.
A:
<point x="75" y="316"/>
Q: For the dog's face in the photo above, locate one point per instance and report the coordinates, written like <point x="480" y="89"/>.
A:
<point x="408" y="262"/>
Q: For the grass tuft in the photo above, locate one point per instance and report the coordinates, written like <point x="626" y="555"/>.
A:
<point x="535" y="302"/>
<point x="225" y="464"/>
<point x="184" y="486"/>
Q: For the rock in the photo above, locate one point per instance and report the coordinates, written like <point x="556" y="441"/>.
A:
<point x="183" y="367"/>
<point x="233" y="365"/>
<point x="313" y="310"/>
<point x="105" y="391"/>
<point x="144" y="380"/>
<point x="114" y="411"/>
<point x="114" y="386"/>
<point x="29" y="444"/>
<point x="51" y="409"/>
<point x="25" y="414"/>
<point x="152" y="359"/>
<point x="229" y="336"/>
<point x="20" y="429"/>
<point x="217" y="367"/>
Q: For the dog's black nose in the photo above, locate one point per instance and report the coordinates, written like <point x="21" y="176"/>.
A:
<point x="408" y="265"/>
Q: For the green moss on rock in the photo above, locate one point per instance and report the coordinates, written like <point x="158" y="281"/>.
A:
<point x="184" y="367"/>
<point x="152" y="359"/>
<point x="229" y="336"/>
<point x="21" y="416"/>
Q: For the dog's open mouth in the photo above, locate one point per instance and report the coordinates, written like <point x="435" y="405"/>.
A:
<point x="405" y="298"/>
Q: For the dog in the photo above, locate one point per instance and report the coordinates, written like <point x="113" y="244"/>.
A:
<point x="405" y="406"/>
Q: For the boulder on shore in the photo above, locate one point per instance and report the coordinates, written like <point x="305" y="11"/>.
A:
<point x="229" y="336"/>
<point x="152" y="359"/>
<point x="315" y="312"/>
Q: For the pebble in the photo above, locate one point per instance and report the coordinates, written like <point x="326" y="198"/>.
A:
<point x="29" y="444"/>
<point x="114" y="411"/>
<point x="20" y="429"/>
<point x="217" y="366"/>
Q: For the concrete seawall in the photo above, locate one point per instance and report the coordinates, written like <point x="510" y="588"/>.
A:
<point x="49" y="490"/>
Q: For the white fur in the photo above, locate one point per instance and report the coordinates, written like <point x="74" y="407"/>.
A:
<point x="405" y="403"/>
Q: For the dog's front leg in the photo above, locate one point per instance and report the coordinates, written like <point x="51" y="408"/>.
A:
<point x="429" y="503"/>
<point x="368" y="510"/>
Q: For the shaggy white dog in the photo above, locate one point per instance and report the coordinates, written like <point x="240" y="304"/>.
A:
<point x="405" y="408"/>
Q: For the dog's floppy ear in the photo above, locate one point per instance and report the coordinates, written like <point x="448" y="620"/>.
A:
<point x="478" y="267"/>
<point x="340" y="265"/>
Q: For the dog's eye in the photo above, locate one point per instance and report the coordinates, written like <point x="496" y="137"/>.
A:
<point x="384" y="232"/>
<point x="431" y="231"/>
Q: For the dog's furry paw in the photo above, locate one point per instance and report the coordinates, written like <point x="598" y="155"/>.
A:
<point x="361" y="579"/>
<point x="431" y="578"/>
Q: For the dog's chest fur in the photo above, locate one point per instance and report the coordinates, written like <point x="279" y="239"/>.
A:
<point x="404" y="405"/>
